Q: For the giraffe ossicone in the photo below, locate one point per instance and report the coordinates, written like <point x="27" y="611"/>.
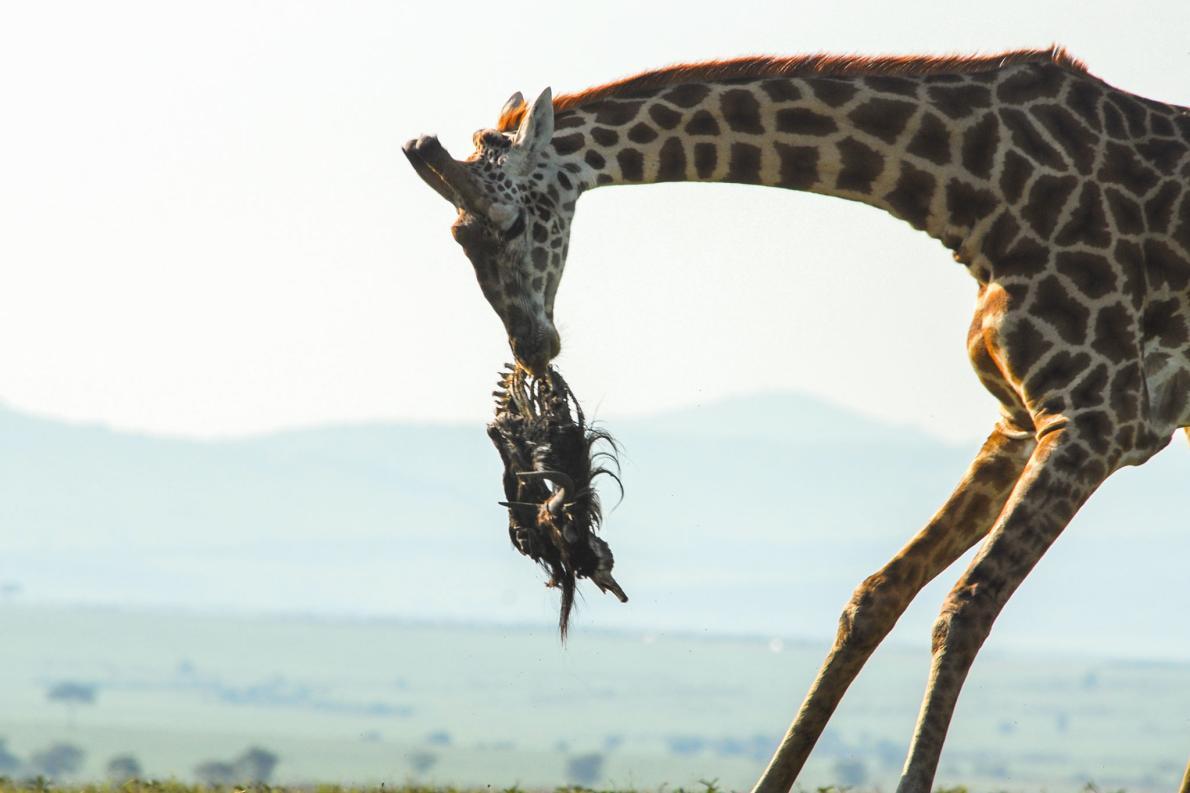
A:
<point x="1066" y="199"/>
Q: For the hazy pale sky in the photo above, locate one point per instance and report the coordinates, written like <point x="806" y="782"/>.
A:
<point x="207" y="226"/>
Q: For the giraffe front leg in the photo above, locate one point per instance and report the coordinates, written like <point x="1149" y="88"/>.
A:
<point x="1061" y="474"/>
<point x="881" y="599"/>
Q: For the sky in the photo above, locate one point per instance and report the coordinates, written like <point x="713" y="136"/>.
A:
<point x="207" y="227"/>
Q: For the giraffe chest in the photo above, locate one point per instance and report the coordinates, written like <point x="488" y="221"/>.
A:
<point x="1134" y="390"/>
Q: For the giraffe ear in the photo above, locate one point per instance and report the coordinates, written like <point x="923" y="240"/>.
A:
<point x="513" y="104"/>
<point x="537" y="127"/>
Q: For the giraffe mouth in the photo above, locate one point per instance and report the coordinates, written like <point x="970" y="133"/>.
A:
<point x="535" y="349"/>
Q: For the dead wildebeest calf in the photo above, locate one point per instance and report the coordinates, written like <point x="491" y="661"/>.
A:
<point x="543" y="439"/>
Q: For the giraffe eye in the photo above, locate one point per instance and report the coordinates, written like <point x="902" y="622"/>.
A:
<point x="516" y="229"/>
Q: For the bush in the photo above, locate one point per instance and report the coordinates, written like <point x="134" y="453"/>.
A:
<point x="60" y="759"/>
<point x="255" y="766"/>
<point x="584" y="769"/>
<point x="215" y="773"/>
<point x="122" y="768"/>
<point x="422" y="761"/>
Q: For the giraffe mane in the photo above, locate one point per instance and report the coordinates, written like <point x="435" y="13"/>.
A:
<point x="791" y="66"/>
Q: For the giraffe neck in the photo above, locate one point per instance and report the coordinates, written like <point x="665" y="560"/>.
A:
<point x="920" y="147"/>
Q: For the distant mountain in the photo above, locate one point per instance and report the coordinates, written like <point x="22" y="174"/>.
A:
<point x="755" y="514"/>
<point x="785" y="417"/>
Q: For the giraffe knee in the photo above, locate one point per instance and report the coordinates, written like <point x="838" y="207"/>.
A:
<point x="966" y="618"/>
<point x="871" y="612"/>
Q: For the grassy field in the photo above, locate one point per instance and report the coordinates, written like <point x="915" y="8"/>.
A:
<point x="364" y="702"/>
<point x="172" y="786"/>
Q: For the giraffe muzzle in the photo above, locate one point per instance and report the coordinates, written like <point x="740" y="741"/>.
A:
<point x="535" y="348"/>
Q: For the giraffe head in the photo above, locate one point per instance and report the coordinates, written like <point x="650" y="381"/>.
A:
<point x="515" y="206"/>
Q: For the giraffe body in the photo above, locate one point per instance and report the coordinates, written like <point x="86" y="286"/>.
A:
<point x="1066" y="199"/>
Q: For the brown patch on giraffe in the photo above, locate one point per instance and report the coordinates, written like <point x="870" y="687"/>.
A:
<point x="1164" y="155"/>
<point x="642" y="133"/>
<point x="594" y="159"/>
<point x="801" y="121"/>
<point x="1134" y="114"/>
<point x="702" y="123"/>
<point x="604" y="136"/>
<point x="568" y="120"/>
<point x="1088" y="221"/>
<point x="1163" y="321"/>
<point x="686" y="77"/>
<point x="910" y="199"/>
<point x="781" y="90"/>
<point x="883" y="118"/>
<point x="799" y="165"/>
<point x="1127" y="213"/>
<point x="568" y="144"/>
<point x="1161" y="124"/>
<point x="978" y="152"/>
<point x="1022" y="345"/>
<point x="1159" y="209"/>
<point x="614" y="114"/>
<point x="1121" y="166"/>
<point x="1083" y="97"/>
<point x="741" y="111"/>
<point x="1095" y="428"/>
<point x="931" y="141"/>
<point x="1090" y="272"/>
<point x="632" y="164"/>
<point x="744" y="167"/>
<point x="1115" y="333"/>
<point x="664" y="116"/>
<point x="1079" y="142"/>
<point x="1026" y="137"/>
<point x="891" y="84"/>
<point x="706" y="158"/>
<point x="1014" y="176"/>
<point x="1126" y="386"/>
<point x="1181" y="233"/>
<point x="860" y="165"/>
<point x="1181" y="121"/>
<point x="1047" y="198"/>
<point x="1027" y="85"/>
<point x="1060" y="370"/>
<point x="687" y="95"/>
<point x="1130" y="259"/>
<point x="1164" y="267"/>
<point x="834" y="93"/>
<point x="960" y="101"/>
<point x="967" y="204"/>
<point x="1053" y="305"/>
<point x="1001" y="236"/>
<point x="671" y="161"/>
<point x="1113" y="122"/>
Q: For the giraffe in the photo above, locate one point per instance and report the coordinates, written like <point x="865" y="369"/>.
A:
<point x="1065" y="198"/>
